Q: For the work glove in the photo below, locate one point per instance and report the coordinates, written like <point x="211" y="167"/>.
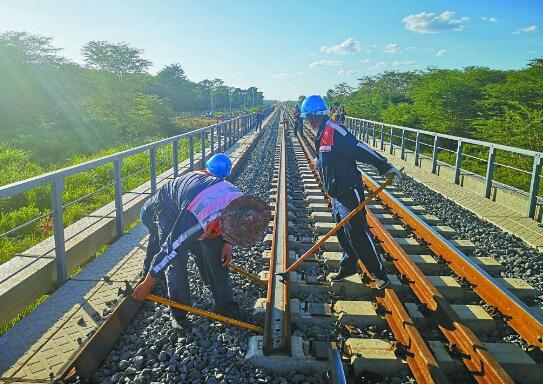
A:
<point x="395" y="173"/>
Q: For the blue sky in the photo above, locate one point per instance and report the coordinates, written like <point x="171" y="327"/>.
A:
<point x="288" y="48"/>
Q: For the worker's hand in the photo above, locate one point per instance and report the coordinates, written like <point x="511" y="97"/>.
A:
<point x="394" y="173"/>
<point x="143" y="288"/>
<point x="226" y="254"/>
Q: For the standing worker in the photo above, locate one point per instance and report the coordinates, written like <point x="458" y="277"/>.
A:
<point x="298" y="123"/>
<point x="259" y="118"/>
<point x="338" y="151"/>
<point x="202" y="213"/>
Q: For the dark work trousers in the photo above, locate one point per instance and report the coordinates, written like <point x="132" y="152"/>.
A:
<point x="206" y="256"/>
<point x="298" y="125"/>
<point x="354" y="237"/>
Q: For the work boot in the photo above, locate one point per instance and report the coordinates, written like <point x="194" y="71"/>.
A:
<point x="381" y="279"/>
<point x="341" y="276"/>
<point x="180" y="323"/>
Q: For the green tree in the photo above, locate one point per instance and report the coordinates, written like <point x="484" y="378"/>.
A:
<point x="117" y="58"/>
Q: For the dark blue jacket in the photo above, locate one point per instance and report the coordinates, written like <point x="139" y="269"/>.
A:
<point x="338" y="151"/>
<point x="192" y="204"/>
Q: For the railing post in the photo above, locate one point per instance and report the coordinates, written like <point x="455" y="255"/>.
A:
<point x="402" y="146"/>
<point x="203" y="148"/>
<point x="191" y="153"/>
<point x="434" y="155"/>
<point x="382" y="143"/>
<point x="534" y="186"/>
<point x="229" y="134"/>
<point x="119" y="216"/>
<point x="175" y="153"/>
<point x="417" y="149"/>
<point x="458" y="162"/>
<point x="490" y="171"/>
<point x="152" y="157"/>
<point x="212" y="140"/>
<point x="374" y="138"/>
<point x="57" y="186"/>
<point x="219" y="135"/>
<point x="391" y="149"/>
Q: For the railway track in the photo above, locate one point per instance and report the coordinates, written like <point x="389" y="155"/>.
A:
<point x="447" y="296"/>
<point x="443" y="319"/>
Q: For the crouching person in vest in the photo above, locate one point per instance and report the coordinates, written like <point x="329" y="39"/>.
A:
<point x="203" y="214"/>
<point x="338" y="152"/>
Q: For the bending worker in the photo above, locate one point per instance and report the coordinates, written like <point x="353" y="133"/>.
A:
<point x="338" y="152"/>
<point x="202" y="213"/>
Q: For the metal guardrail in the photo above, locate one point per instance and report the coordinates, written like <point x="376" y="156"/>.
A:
<point x="369" y="130"/>
<point x="226" y="132"/>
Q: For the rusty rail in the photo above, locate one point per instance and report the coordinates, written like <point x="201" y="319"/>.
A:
<point x="277" y="334"/>
<point x="516" y="314"/>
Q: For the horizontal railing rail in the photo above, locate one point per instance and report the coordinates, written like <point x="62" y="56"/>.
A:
<point x="396" y="136"/>
<point x="219" y="136"/>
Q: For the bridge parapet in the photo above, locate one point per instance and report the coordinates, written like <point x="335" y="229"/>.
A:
<point x="424" y="149"/>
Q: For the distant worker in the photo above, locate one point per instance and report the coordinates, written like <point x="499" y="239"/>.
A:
<point x="298" y="122"/>
<point x="259" y="119"/>
<point x="338" y="152"/>
<point x="202" y="213"/>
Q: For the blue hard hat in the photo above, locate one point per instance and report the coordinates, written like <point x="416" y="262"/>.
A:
<point x="314" y="105"/>
<point x="219" y="165"/>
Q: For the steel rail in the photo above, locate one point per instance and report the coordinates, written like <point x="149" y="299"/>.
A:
<point x="420" y="359"/>
<point x="516" y="313"/>
<point x="477" y="359"/>
<point x="277" y="329"/>
<point x="422" y="362"/>
<point x="93" y="352"/>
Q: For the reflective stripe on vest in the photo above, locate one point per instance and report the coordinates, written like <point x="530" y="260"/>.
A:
<point x="208" y="204"/>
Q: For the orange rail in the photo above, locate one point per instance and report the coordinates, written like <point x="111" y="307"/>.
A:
<point x="516" y="313"/>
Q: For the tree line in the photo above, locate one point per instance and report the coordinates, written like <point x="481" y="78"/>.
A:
<point x="56" y="109"/>
<point x="501" y="106"/>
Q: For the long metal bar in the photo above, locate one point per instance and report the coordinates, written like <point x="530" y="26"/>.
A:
<point x="191" y="153"/>
<point x="212" y="140"/>
<point x="417" y="150"/>
<point x="201" y="312"/>
<point x="277" y="335"/>
<point x="518" y="315"/>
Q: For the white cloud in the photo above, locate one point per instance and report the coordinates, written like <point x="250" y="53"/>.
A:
<point x="366" y="61"/>
<point x="528" y="29"/>
<point x="379" y="65"/>
<point x="391" y="48"/>
<point x="281" y="76"/>
<point x="349" y="46"/>
<point x="406" y="63"/>
<point x="427" y="22"/>
<point x="441" y="52"/>
<point x="347" y="72"/>
<point x="490" y="19"/>
<point x="325" y="63"/>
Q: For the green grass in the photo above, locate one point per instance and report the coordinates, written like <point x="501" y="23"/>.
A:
<point x="10" y="324"/>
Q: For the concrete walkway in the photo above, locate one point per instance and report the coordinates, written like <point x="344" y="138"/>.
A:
<point x="500" y="215"/>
